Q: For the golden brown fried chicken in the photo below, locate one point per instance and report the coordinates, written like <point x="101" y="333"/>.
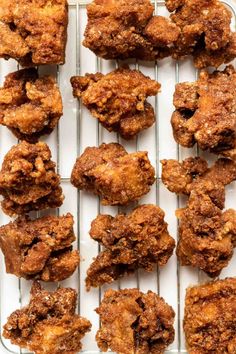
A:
<point x="127" y="29"/>
<point x="204" y="31"/>
<point x="178" y="176"/>
<point x="206" y="234"/>
<point x="205" y="112"/>
<point x="109" y="171"/>
<point x="209" y="321"/>
<point x="118" y="99"/>
<point x="136" y="240"/>
<point x="33" y="32"/>
<point x="183" y="177"/>
<point x="40" y="249"/>
<point x="48" y="324"/>
<point x="28" y="180"/>
<point x="134" y="322"/>
<point x="30" y="106"/>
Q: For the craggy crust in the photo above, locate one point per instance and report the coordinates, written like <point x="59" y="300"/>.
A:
<point x="183" y="177"/>
<point x="120" y="29"/>
<point x="48" y="324"/>
<point x="206" y="234"/>
<point x="33" y="32"/>
<point x="40" y="249"/>
<point x="136" y="240"/>
<point x="178" y="176"/>
<point x="109" y="171"/>
<point x="205" y="112"/>
<point x="133" y="322"/>
<point x="30" y="106"/>
<point x="28" y="180"/>
<point x="118" y="99"/>
<point x="209" y="321"/>
<point x="127" y="29"/>
<point x="204" y="31"/>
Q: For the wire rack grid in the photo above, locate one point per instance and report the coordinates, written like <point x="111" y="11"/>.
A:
<point x="76" y="131"/>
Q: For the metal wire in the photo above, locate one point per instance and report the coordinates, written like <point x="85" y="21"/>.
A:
<point x="78" y="5"/>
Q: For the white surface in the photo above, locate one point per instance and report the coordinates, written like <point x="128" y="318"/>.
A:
<point x="77" y="130"/>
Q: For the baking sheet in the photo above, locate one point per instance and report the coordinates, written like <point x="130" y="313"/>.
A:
<point x="76" y="131"/>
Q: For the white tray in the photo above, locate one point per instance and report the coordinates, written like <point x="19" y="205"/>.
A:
<point x="76" y="131"/>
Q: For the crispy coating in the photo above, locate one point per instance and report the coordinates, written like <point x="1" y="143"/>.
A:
<point x="205" y="112"/>
<point x="118" y="99"/>
<point x="48" y="324"/>
<point x="183" y="177"/>
<point x="109" y="171"/>
<point x="33" y="32"/>
<point x="204" y="31"/>
<point x="209" y="321"/>
<point x="40" y="249"/>
<point x="179" y="176"/>
<point x="120" y="29"/>
<point x="160" y="30"/>
<point x="134" y="322"/>
<point x="206" y="234"/>
<point x="28" y="180"/>
<point x="137" y="240"/>
<point x="30" y="106"/>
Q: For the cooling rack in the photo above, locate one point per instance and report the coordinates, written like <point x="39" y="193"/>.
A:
<point x="76" y="131"/>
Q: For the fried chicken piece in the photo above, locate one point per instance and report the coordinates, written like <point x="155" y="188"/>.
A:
<point x="30" y="106"/>
<point x="134" y="322"/>
<point x="48" y="324"/>
<point x="40" y="249"/>
<point x="203" y="58"/>
<point x="109" y="171"/>
<point x="179" y="176"/>
<point x="33" y="32"/>
<point x="209" y="321"/>
<point x="206" y="234"/>
<point x="204" y="31"/>
<point x="182" y="177"/>
<point x="28" y="180"/>
<point x="136" y="240"/>
<point x="120" y="29"/>
<point x="205" y="112"/>
<point x="118" y="99"/>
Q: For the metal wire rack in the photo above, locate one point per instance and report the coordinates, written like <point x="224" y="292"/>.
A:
<point x="76" y="131"/>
